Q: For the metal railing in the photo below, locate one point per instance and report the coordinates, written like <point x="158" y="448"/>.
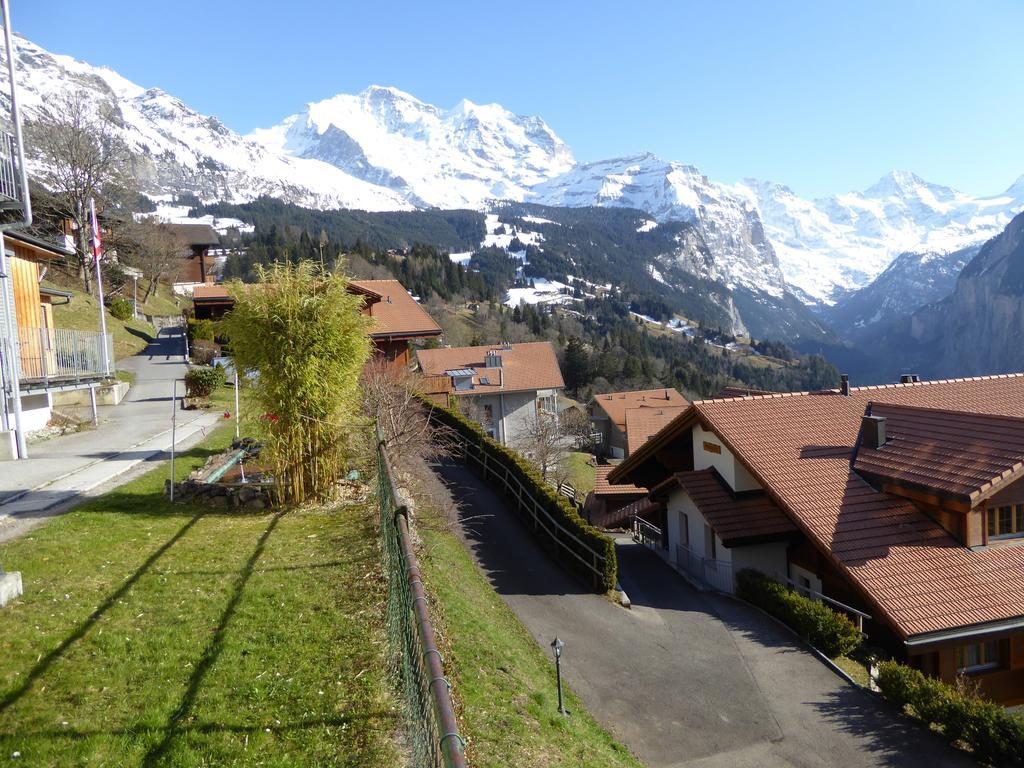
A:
<point x="858" y="616"/>
<point x="647" y="533"/>
<point x="519" y="495"/>
<point x="59" y="355"/>
<point x="10" y="176"/>
<point x="716" y="574"/>
<point x="433" y="735"/>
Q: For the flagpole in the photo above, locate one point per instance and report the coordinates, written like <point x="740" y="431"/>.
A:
<point x="99" y="284"/>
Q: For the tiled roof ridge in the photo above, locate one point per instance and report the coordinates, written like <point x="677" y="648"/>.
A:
<point x="947" y="411"/>
<point x="866" y="388"/>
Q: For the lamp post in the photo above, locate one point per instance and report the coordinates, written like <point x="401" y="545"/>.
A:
<point x="557" y="646"/>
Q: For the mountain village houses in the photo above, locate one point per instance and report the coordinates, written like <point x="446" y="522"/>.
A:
<point x="505" y="387"/>
<point x="904" y="502"/>
<point x="40" y="358"/>
<point x="626" y="419"/>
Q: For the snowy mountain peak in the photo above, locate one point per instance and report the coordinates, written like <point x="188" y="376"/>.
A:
<point x="433" y="157"/>
<point x="907" y="185"/>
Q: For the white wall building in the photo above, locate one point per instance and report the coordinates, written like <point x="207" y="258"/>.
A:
<point x="505" y="388"/>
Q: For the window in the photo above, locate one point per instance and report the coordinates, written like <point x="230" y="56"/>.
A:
<point x="488" y="414"/>
<point x="712" y="447"/>
<point x="977" y="657"/>
<point x="684" y="534"/>
<point x="1005" y="520"/>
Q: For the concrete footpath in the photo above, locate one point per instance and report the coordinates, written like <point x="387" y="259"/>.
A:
<point x="61" y="471"/>
<point x="685" y="678"/>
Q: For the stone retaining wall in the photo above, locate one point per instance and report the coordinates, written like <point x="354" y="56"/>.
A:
<point x="224" y="495"/>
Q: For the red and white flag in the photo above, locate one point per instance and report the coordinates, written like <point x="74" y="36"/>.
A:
<point x="96" y="244"/>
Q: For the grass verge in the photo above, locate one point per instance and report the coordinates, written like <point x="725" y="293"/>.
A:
<point x="159" y="634"/>
<point x="581" y="474"/>
<point x="82" y="314"/>
<point x="503" y="683"/>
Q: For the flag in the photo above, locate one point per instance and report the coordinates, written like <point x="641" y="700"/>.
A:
<point x="96" y="244"/>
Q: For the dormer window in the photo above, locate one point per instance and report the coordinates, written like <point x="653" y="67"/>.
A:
<point x="1005" y="521"/>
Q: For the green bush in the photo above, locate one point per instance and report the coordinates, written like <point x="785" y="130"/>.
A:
<point x="121" y="308"/>
<point x="202" y="381"/>
<point x="554" y="504"/>
<point x="829" y="631"/>
<point x="200" y="330"/>
<point x="995" y="735"/>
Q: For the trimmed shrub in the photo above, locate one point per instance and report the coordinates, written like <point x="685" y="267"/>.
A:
<point x="995" y="735"/>
<point x="204" y="351"/>
<point x="553" y="503"/>
<point x="833" y="633"/>
<point x="201" y="382"/>
<point x="200" y="330"/>
<point x="121" y="308"/>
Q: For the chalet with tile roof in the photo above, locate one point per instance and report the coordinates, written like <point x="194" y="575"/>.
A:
<point x="505" y="388"/>
<point x="644" y="411"/>
<point x="604" y="506"/>
<point x="904" y="502"/>
<point x="194" y="242"/>
<point x="398" y="318"/>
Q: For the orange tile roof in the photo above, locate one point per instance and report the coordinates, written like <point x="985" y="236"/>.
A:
<point x="967" y="456"/>
<point x="396" y="312"/>
<point x="736" y="519"/>
<point x="526" y="366"/>
<point x="643" y="423"/>
<point x="211" y="293"/>
<point x="798" y="446"/>
<point x="615" y="404"/>
<point x="603" y="488"/>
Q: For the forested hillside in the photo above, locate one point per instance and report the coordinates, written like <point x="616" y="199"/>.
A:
<point x="597" y="327"/>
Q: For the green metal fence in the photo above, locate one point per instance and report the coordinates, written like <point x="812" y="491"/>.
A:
<point x="431" y="729"/>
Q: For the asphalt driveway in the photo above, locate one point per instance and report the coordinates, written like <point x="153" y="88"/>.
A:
<point x="685" y="678"/>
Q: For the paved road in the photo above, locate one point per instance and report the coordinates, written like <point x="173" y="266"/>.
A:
<point x="130" y="436"/>
<point x="685" y="678"/>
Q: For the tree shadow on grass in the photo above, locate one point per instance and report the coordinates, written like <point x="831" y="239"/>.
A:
<point x="211" y="653"/>
<point x="83" y="628"/>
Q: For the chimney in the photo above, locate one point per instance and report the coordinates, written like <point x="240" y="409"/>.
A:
<point x="506" y="345"/>
<point x="492" y="359"/>
<point x="909" y="378"/>
<point x="844" y="385"/>
<point x="872" y="430"/>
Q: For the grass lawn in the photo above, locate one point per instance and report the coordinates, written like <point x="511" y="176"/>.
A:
<point x="503" y="684"/>
<point x="82" y="314"/>
<point x="581" y="474"/>
<point x="159" y="634"/>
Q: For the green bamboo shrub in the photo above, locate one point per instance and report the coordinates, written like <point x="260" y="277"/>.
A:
<point x="300" y="330"/>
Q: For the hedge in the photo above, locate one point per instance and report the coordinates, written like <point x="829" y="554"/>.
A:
<point x="200" y="330"/>
<point x="555" y="504"/>
<point x="833" y="633"/>
<point x="202" y="381"/>
<point x="121" y="308"/>
<point x="995" y="735"/>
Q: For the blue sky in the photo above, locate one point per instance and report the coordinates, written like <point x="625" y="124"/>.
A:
<point x="823" y="96"/>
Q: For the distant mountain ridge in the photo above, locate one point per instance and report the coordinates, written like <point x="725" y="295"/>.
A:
<point x="385" y="150"/>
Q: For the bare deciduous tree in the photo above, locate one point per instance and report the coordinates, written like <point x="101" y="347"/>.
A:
<point x="150" y="247"/>
<point x="546" y="446"/>
<point x="391" y="398"/>
<point x="80" y="155"/>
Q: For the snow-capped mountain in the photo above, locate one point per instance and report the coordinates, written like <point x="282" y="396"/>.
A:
<point x="445" y="158"/>
<point x="176" y="149"/>
<point x="726" y="218"/>
<point x="839" y="244"/>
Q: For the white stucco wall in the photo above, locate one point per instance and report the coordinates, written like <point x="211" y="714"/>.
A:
<point x="513" y="412"/>
<point x="695" y="535"/>
<point x="731" y="470"/>
<point x="769" y="559"/>
<point x="35" y="412"/>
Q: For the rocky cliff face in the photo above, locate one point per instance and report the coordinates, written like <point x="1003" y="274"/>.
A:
<point x="910" y="282"/>
<point x="978" y="329"/>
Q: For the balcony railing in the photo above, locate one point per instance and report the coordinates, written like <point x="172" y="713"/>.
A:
<point x="56" y="356"/>
<point x="717" y="574"/>
<point x="10" y="177"/>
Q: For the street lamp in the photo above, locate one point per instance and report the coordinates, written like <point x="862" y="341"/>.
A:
<point x="557" y="646"/>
